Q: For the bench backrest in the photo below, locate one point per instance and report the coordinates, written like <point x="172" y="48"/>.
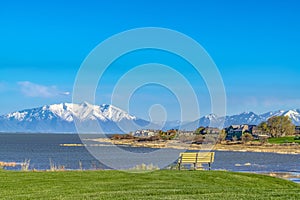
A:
<point x="203" y="157"/>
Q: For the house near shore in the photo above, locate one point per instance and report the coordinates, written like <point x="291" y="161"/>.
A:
<point x="144" y="133"/>
<point x="186" y="133"/>
<point x="209" y="130"/>
<point x="236" y="131"/>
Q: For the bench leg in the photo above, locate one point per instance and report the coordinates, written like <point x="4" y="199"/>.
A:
<point x="199" y="166"/>
<point x="209" y="166"/>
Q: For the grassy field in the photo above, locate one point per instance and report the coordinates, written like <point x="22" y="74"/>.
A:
<point x="282" y="140"/>
<point x="155" y="185"/>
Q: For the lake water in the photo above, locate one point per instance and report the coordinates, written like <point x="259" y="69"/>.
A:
<point x="42" y="149"/>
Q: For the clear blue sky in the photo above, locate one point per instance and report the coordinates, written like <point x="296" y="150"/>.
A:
<point x="255" y="44"/>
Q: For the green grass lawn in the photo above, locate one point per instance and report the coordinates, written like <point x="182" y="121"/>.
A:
<point x="164" y="184"/>
<point x="282" y="140"/>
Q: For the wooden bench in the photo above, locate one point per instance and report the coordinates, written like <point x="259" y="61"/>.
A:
<point x="196" y="158"/>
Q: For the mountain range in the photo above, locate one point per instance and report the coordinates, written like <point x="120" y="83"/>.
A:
<point x="251" y="118"/>
<point x="69" y="117"/>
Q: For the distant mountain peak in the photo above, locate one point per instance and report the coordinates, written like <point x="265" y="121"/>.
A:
<point x="249" y="113"/>
<point x="61" y="118"/>
<point x="211" y="116"/>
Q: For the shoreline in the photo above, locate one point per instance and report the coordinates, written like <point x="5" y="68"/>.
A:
<point x="175" y="144"/>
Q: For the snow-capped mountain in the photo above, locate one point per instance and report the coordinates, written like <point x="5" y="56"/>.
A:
<point x="267" y="115"/>
<point x="88" y="118"/>
<point x="294" y="115"/>
<point x="243" y="118"/>
<point x="62" y="117"/>
<point x="210" y="120"/>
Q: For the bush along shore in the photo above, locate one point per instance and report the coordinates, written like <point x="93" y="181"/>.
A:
<point x="252" y="146"/>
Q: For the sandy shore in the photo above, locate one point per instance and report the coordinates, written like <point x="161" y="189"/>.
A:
<point x="175" y="144"/>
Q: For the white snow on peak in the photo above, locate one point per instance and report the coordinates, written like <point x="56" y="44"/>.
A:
<point x="114" y="113"/>
<point x="211" y="116"/>
<point x="104" y="112"/>
<point x="17" y="115"/>
<point x="63" y="110"/>
<point x="68" y="111"/>
<point x="293" y="114"/>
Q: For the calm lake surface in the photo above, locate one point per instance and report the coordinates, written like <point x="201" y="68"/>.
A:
<point x="43" y="148"/>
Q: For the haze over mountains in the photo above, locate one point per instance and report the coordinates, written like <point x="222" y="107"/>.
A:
<point x="61" y="118"/>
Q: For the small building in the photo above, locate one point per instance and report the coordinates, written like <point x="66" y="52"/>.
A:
<point x="236" y="131"/>
<point x="210" y="130"/>
<point x="144" y="133"/>
<point x="186" y="133"/>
